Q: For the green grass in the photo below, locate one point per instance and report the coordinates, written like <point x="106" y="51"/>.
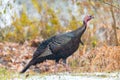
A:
<point x="7" y="74"/>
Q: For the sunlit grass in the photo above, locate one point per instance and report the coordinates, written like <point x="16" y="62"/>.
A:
<point x="5" y="74"/>
<point x="8" y="74"/>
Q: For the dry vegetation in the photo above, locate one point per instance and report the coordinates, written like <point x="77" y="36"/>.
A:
<point x="100" y="59"/>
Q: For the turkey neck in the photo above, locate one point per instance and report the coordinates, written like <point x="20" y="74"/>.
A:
<point x="78" y="32"/>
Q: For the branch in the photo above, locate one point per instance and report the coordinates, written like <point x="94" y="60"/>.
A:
<point x="114" y="26"/>
<point x="111" y="5"/>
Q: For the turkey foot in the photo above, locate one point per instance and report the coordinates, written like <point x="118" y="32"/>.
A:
<point x="67" y="67"/>
<point x="55" y="68"/>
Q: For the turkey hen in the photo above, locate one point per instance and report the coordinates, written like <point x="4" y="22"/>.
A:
<point x="59" y="46"/>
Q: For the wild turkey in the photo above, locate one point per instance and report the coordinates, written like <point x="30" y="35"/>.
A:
<point x="59" y="46"/>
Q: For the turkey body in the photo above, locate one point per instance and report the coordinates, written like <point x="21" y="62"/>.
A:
<point x="56" y="48"/>
<point x="60" y="47"/>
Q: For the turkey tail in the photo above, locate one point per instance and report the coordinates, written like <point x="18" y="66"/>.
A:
<point x="34" y="61"/>
<point x="25" y="68"/>
<point x="28" y="65"/>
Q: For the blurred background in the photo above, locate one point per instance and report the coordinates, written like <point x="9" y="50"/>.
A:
<point x="29" y="22"/>
<point x="22" y="20"/>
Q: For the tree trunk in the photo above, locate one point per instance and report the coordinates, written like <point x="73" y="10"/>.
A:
<point x="114" y="25"/>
